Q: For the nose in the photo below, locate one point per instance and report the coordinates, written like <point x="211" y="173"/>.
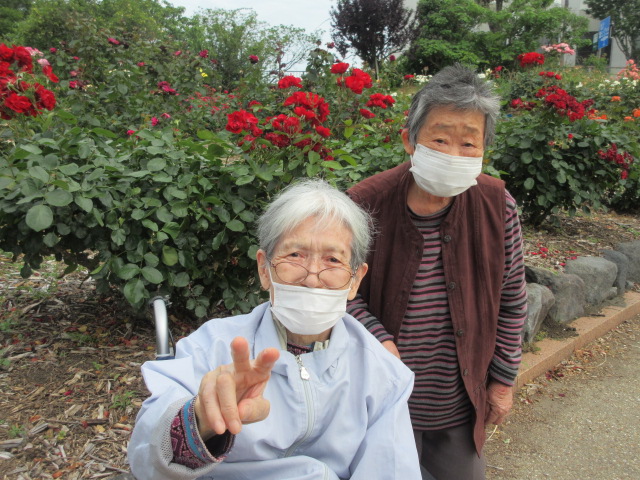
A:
<point x="313" y="280"/>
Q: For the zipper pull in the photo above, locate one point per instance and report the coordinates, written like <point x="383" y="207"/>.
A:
<point x="304" y="374"/>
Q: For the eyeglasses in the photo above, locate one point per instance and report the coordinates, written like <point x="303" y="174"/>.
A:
<point x="333" y="278"/>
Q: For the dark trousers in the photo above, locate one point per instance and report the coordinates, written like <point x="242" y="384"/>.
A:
<point x="450" y="454"/>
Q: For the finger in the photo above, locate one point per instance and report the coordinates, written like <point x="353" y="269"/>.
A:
<point x="228" y="404"/>
<point x="208" y="400"/>
<point x="267" y="358"/>
<point x="240" y="355"/>
<point x="254" y="409"/>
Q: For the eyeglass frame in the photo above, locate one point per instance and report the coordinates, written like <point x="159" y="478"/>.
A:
<point x="351" y="272"/>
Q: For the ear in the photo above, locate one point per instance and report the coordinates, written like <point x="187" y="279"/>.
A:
<point x="263" y="269"/>
<point x="360" y="273"/>
<point x="405" y="141"/>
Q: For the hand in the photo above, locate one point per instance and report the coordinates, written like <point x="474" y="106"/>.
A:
<point x="499" y="403"/>
<point x="389" y="345"/>
<point x="231" y="395"/>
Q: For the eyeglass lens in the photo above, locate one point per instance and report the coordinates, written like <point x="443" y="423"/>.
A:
<point x="296" y="274"/>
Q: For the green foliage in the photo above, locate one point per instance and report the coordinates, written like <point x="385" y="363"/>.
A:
<point x="11" y="13"/>
<point x="449" y="32"/>
<point x="552" y="162"/>
<point x="625" y="22"/>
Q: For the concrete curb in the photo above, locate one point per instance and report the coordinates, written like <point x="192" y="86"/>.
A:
<point x="552" y="352"/>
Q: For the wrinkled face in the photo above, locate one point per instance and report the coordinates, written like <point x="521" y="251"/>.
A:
<point x="316" y="247"/>
<point x="450" y="131"/>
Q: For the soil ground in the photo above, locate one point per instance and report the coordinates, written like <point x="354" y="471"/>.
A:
<point x="579" y="420"/>
<point x="70" y="383"/>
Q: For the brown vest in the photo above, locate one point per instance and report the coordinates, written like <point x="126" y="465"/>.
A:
<point x="472" y="237"/>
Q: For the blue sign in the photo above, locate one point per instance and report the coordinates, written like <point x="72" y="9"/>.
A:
<point x="603" y="35"/>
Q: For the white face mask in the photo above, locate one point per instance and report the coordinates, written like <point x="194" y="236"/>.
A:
<point x="308" y="311"/>
<point x="444" y="175"/>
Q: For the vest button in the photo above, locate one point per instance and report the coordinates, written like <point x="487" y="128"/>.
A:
<point x="465" y="372"/>
<point x="460" y="333"/>
<point x="446" y="238"/>
<point x="451" y="286"/>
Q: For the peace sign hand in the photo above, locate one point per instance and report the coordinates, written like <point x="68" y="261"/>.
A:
<point x="231" y="395"/>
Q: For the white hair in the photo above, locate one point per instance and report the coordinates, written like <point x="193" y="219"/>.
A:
<point x="314" y="198"/>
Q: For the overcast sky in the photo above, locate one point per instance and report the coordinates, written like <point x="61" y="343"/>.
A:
<point x="312" y="15"/>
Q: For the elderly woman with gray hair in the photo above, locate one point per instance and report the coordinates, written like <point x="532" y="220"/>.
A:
<point x="296" y="389"/>
<point x="446" y="289"/>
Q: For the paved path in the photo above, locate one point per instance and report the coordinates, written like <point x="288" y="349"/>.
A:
<point x="584" y="425"/>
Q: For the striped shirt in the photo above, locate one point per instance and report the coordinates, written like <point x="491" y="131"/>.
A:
<point x="426" y="341"/>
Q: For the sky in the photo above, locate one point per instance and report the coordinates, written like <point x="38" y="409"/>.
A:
<point x="311" y="15"/>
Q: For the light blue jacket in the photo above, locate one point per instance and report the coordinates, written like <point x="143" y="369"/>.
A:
<point x="349" y="420"/>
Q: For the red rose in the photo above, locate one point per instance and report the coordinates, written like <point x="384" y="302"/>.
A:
<point x="48" y="71"/>
<point x="323" y="131"/>
<point x="23" y="57"/>
<point x="6" y="53"/>
<point x="204" y="53"/>
<point x="531" y="58"/>
<point x="45" y="98"/>
<point x="339" y="68"/>
<point x="409" y="77"/>
<point x="290" y="81"/>
<point x="366" y="113"/>
<point x="53" y="49"/>
<point x="254" y="59"/>
<point x="277" y="139"/>
<point x="113" y="41"/>
<point x="19" y="104"/>
<point x="240" y="120"/>
<point x="74" y="84"/>
<point x="392" y="58"/>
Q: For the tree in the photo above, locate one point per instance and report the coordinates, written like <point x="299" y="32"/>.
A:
<point x="450" y="31"/>
<point x="373" y="28"/>
<point x="446" y="34"/>
<point x="12" y="12"/>
<point x="625" y="22"/>
<point x="232" y="36"/>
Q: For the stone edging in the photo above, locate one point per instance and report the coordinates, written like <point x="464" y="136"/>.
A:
<point x="551" y="352"/>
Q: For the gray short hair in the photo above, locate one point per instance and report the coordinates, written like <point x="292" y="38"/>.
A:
<point x="458" y="87"/>
<point x="314" y="198"/>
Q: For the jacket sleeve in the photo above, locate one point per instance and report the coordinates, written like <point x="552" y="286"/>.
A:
<point x="172" y="383"/>
<point x="513" y="303"/>
<point x="359" y="309"/>
<point x="389" y="448"/>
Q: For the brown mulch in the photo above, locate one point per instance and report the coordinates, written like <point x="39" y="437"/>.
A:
<point x="70" y="382"/>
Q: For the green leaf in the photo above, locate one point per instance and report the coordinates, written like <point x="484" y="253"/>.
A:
<point x="69" y="169"/>
<point x="205" y="135"/>
<point x="156" y="164"/>
<point x="222" y="214"/>
<point x="348" y="132"/>
<point x="164" y="215"/>
<point x="235" y="226"/>
<point x="104" y="132"/>
<point x="84" y="150"/>
<point x="58" y="198"/>
<point x="128" y="271"/>
<point x="138" y="214"/>
<point x="245" y="179"/>
<point x="134" y="291"/>
<point x="169" y="256"/>
<point x="39" y="217"/>
<point x="39" y="173"/>
<point x="31" y="149"/>
<point x="118" y="236"/>
<point x="123" y="89"/>
<point x="50" y="239"/>
<point x="151" y="259"/>
<point x="253" y="249"/>
<point x="152" y="275"/>
<point x="153" y="150"/>
<point x="332" y="164"/>
<point x="171" y="228"/>
<point x="84" y="203"/>
<point x="181" y="280"/>
<point x="529" y="183"/>
<point x="526" y="157"/>
<point x="151" y="225"/>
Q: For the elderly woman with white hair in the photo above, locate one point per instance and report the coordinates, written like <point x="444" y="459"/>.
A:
<point x="296" y="389"/>
<point x="446" y="288"/>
